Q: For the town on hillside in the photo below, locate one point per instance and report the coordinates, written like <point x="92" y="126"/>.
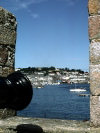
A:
<point x="40" y="76"/>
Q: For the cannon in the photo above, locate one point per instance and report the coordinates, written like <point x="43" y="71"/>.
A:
<point x="15" y="91"/>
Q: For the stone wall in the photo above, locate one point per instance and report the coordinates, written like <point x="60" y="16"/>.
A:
<point x="94" y="37"/>
<point x="8" y="27"/>
<point x="7" y="42"/>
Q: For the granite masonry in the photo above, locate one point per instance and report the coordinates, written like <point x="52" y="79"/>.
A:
<point x="8" y="27"/>
<point x="94" y="37"/>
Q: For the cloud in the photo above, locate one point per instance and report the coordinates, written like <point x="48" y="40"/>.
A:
<point x="24" y="4"/>
<point x="70" y="2"/>
<point x="35" y="16"/>
<point x="17" y="5"/>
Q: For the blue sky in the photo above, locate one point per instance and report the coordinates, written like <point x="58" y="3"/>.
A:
<point x="51" y="33"/>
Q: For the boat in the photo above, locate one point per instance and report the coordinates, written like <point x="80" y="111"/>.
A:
<point x="77" y="90"/>
<point x="84" y="95"/>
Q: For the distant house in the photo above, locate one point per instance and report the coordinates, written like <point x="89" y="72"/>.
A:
<point x="51" y="74"/>
<point x="17" y="69"/>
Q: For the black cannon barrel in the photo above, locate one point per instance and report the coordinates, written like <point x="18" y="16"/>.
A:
<point x="4" y="93"/>
<point x="15" y="91"/>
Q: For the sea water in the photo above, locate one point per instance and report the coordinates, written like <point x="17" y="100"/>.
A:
<point x="57" y="101"/>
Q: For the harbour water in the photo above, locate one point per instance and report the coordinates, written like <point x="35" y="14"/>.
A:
<point x="58" y="102"/>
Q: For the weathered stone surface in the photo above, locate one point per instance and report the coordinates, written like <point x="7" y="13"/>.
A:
<point x="94" y="27"/>
<point x="7" y="70"/>
<point x="7" y="36"/>
<point x="4" y="71"/>
<point x="7" y="113"/>
<point x="95" y="110"/>
<point x="7" y="41"/>
<point x="95" y="79"/>
<point x="7" y="50"/>
<point x="11" y="56"/>
<point x="9" y="125"/>
<point x="7" y="55"/>
<point x="94" y="36"/>
<point x="3" y="55"/>
<point x="94" y="7"/>
<point x="48" y="125"/>
<point x="7" y="19"/>
<point x="7" y="27"/>
<point x="2" y="14"/>
<point x="95" y="51"/>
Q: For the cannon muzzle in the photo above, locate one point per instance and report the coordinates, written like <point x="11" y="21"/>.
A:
<point x="15" y="91"/>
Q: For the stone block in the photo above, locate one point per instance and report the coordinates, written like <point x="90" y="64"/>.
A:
<point x="7" y="19"/>
<point x="95" y="79"/>
<point x="95" y="110"/>
<point x="7" y="36"/>
<point x="95" y="51"/>
<point x="7" y="70"/>
<point x="7" y="55"/>
<point x="94" y="27"/>
<point x="3" y="55"/>
<point x="8" y="26"/>
<point x="11" y="56"/>
<point x="94" y="7"/>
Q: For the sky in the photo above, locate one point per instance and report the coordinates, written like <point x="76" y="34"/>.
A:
<point x="51" y="33"/>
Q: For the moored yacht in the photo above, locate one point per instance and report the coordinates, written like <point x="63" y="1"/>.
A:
<point x="78" y="90"/>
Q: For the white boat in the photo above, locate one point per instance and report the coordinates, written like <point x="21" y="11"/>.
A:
<point x="77" y="90"/>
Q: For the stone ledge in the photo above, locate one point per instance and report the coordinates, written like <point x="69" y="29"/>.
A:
<point x="48" y="125"/>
